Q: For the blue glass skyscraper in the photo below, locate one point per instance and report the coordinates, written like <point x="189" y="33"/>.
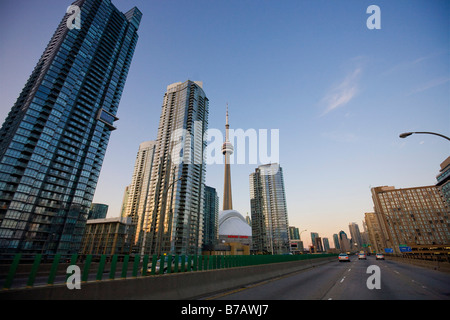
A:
<point x="53" y="142"/>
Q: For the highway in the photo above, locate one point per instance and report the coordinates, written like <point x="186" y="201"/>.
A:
<point x="348" y="281"/>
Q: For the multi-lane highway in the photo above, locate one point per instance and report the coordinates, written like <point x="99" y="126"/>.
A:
<point x="354" y="280"/>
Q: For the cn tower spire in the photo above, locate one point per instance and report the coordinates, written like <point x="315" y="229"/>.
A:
<point x="227" y="150"/>
<point x="227" y="124"/>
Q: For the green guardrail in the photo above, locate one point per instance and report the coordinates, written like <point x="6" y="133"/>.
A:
<point x="141" y="265"/>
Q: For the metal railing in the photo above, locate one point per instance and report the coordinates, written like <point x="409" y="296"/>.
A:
<point x="23" y="272"/>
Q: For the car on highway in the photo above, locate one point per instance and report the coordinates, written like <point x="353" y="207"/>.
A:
<point x="362" y="256"/>
<point x="343" y="257"/>
<point x="380" y="256"/>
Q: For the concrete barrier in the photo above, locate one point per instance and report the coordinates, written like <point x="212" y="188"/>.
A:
<point x="430" y="264"/>
<point x="180" y="286"/>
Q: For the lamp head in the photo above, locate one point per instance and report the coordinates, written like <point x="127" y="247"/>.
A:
<point x="406" y="134"/>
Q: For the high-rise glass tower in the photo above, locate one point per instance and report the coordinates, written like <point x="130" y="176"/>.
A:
<point x="174" y="217"/>
<point x="53" y="142"/>
<point x="270" y="227"/>
<point x="135" y="204"/>
<point x="210" y="218"/>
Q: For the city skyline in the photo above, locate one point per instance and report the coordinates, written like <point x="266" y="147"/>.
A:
<point x="339" y="93"/>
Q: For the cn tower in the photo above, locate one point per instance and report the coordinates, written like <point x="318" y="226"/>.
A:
<point x="227" y="150"/>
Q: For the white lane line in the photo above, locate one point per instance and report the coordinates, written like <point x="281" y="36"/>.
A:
<point x="342" y="280"/>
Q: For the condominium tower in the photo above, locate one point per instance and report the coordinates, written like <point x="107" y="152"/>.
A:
<point x="135" y="202"/>
<point x="270" y="227"/>
<point x="54" y="139"/>
<point x="174" y="215"/>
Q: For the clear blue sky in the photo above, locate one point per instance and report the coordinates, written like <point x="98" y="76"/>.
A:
<point x="339" y="93"/>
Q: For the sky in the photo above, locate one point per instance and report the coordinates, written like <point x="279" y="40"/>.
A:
<point x="338" y="93"/>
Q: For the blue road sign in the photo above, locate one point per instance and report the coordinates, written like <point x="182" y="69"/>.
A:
<point x="405" y="249"/>
<point x="388" y="250"/>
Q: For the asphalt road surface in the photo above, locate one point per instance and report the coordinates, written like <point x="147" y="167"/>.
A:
<point x="354" y="280"/>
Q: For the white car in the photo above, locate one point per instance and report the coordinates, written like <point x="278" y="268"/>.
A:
<point x="380" y="256"/>
<point x="362" y="256"/>
<point x="343" y="257"/>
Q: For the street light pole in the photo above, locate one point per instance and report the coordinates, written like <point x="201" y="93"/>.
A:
<point x="407" y="134"/>
<point x="163" y="212"/>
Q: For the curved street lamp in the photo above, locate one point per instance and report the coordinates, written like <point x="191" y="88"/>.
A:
<point x="407" y="134"/>
<point x="300" y="234"/>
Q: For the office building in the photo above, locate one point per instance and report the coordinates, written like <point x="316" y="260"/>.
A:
<point x="365" y="235"/>
<point x="443" y="180"/>
<point x="356" y="235"/>
<point x="294" y="234"/>
<point x="314" y="235"/>
<point x="174" y="215"/>
<point x="98" y="211"/>
<point x="318" y="246"/>
<point x="269" y="210"/>
<point x="411" y="216"/>
<point x="326" y="244"/>
<point x="54" y="139"/>
<point x="336" y="241"/>
<point x="377" y="241"/>
<point x="135" y="201"/>
<point x="344" y="242"/>
<point x="107" y="236"/>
